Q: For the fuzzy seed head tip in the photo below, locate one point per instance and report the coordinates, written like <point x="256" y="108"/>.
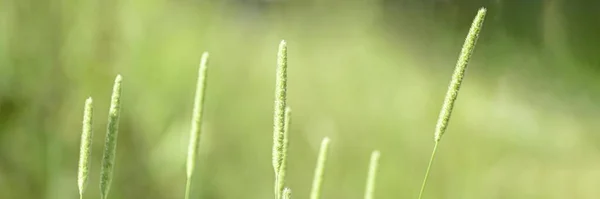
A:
<point x="204" y="57"/>
<point x="118" y="79"/>
<point x="282" y="44"/>
<point x="376" y="153"/>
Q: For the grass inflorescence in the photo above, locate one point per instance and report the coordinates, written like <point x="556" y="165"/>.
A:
<point x="110" y="145"/>
<point x="279" y="151"/>
<point x="196" y="123"/>
<point x="281" y="128"/>
<point x="453" y="88"/>
<point x="319" y="174"/>
<point x="373" y="166"/>
<point x="85" y="151"/>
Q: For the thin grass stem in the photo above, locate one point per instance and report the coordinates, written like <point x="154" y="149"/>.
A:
<point x="428" y="169"/>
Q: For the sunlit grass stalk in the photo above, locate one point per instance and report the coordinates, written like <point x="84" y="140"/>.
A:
<point x="373" y="166"/>
<point x="279" y="120"/>
<point x="315" y="192"/>
<point x="281" y="174"/>
<point x="196" y="123"/>
<point x="85" y="150"/>
<point x="452" y="93"/>
<point x="110" y="145"/>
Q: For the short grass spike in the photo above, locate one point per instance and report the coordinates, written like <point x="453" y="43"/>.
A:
<point x="373" y="166"/>
<point x="85" y="151"/>
<point x="110" y="145"/>
<point x="315" y="192"/>
<point x="196" y="123"/>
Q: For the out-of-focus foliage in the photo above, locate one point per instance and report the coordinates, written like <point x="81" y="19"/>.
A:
<point x="368" y="74"/>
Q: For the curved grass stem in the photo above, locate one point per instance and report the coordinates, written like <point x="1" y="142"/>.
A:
<point x="428" y="169"/>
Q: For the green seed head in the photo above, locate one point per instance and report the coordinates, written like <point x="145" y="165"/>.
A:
<point x="315" y="192"/>
<point x="459" y="72"/>
<point x="373" y="165"/>
<point x="281" y="173"/>
<point x="196" y="122"/>
<point x="197" y="114"/>
<point x="280" y="105"/>
<point x="110" y="145"/>
<point x="85" y="151"/>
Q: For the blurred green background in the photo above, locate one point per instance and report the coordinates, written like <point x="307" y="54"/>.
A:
<point x="370" y="74"/>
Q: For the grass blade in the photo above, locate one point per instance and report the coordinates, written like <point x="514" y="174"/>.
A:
<point x="196" y="123"/>
<point x="373" y="166"/>
<point x="110" y="145"/>
<point x="85" y="150"/>
<point x="453" y="88"/>
<point x="315" y="192"/>
<point x="279" y="114"/>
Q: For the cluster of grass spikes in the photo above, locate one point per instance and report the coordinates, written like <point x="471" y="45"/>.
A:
<point x="281" y="128"/>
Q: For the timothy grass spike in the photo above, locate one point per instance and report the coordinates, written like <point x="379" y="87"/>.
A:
<point x="459" y="72"/>
<point x="453" y="88"/>
<point x="373" y="166"/>
<point x="281" y="174"/>
<point x="315" y="192"/>
<point x="196" y="122"/>
<point x="85" y="151"/>
<point x="279" y="113"/>
<point x="110" y="145"/>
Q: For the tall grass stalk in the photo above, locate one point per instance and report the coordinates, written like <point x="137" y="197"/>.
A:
<point x="110" y="145"/>
<point x="85" y="150"/>
<point x="373" y="166"/>
<point x="196" y="123"/>
<point x="279" y="120"/>
<point x="453" y="88"/>
<point x="315" y="192"/>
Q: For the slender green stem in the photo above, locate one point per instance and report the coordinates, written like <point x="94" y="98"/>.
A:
<point x="188" y="187"/>
<point x="428" y="169"/>
<point x="196" y="123"/>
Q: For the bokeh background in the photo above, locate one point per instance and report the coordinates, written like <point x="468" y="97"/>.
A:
<point x="369" y="74"/>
